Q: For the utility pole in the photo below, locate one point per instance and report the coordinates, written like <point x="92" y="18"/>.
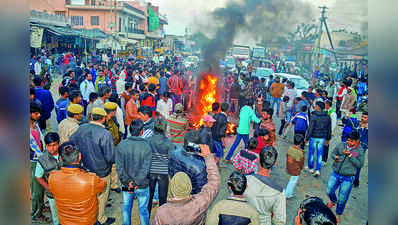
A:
<point x="323" y="23"/>
<point x="111" y="25"/>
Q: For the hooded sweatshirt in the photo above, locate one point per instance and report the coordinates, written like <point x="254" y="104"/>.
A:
<point x="349" y="163"/>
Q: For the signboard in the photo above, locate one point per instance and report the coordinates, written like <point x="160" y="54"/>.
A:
<point x="36" y="36"/>
<point x="307" y="47"/>
<point x="290" y="58"/>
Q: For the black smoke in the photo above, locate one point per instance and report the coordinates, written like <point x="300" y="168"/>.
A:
<point x="262" y="20"/>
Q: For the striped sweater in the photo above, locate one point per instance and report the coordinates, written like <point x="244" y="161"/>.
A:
<point x="161" y="147"/>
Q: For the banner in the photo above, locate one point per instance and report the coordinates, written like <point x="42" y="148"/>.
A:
<point x="36" y="36"/>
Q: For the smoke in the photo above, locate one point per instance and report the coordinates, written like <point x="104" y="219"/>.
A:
<point x="352" y="15"/>
<point x="261" y="20"/>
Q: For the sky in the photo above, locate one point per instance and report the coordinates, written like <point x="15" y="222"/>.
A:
<point x="347" y="14"/>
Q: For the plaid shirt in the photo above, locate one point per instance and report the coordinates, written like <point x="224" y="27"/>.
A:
<point x="246" y="161"/>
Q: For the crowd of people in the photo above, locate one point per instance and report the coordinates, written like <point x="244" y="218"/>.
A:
<point x="122" y="127"/>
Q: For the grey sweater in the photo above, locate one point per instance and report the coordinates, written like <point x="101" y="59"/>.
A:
<point x="348" y="165"/>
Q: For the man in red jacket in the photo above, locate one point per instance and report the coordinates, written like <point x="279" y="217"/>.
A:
<point x="175" y="86"/>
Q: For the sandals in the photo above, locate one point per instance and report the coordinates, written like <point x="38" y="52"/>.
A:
<point x="332" y="204"/>
<point x="338" y="221"/>
<point x="42" y="219"/>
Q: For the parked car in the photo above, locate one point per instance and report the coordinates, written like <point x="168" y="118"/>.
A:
<point x="230" y="62"/>
<point x="261" y="72"/>
<point x="300" y="83"/>
<point x="191" y="61"/>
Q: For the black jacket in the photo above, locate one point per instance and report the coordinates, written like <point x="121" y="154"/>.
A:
<point x="133" y="160"/>
<point x="206" y="137"/>
<point x="320" y="126"/>
<point x="96" y="147"/>
<point x="219" y="128"/>
<point x="190" y="163"/>
<point x="161" y="148"/>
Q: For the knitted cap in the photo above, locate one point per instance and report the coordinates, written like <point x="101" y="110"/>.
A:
<point x="180" y="185"/>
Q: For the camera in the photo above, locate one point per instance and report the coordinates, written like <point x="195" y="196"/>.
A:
<point x="192" y="147"/>
<point x="127" y="189"/>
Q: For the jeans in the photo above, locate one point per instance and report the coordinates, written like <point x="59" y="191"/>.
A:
<point x="345" y="184"/>
<point x="283" y="123"/>
<point x="325" y="153"/>
<point x="54" y="211"/>
<point x="278" y="104"/>
<point x="315" y="144"/>
<point x="290" y="186"/>
<point x="219" y="149"/>
<point x="338" y="106"/>
<point x="143" y="199"/>
<point x="85" y="104"/>
<point x="238" y="138"/>
<point x="302" y="145"/>
<point x="163" y="181"/>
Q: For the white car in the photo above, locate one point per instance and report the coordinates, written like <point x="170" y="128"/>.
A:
<point x="261" y="72"/>
<point x="191" y="61"/>
<point x="299" y="82"/>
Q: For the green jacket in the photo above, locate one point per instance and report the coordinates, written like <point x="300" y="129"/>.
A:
<point x="246" y="115"/>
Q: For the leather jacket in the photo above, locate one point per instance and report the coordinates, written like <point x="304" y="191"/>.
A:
<point x="75" y="193"/>
<point x="133" y="160"/>
<point x="190" y="163"/>
<point x="48" y="163"/>
<point x="220" y="126"/>
<point x="206" y="137"/>
<point x="96" y="147"/>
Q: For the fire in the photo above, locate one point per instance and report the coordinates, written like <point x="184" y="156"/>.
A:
<point x="208" y="95"/>
<point x="231" y="128"/>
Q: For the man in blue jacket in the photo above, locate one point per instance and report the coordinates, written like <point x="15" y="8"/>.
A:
<point x="46" y="99"/>
<point x="186" y="159"/>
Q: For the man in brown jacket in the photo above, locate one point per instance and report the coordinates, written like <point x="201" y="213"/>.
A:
<point x="132" y="108"/>
<point x="184" y="208"/>
<point x="75" y="191"/>
<point x="276" y="90"/>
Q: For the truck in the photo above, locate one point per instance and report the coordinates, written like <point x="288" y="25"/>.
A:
<point x="258" y="53"/>
<point x="241" y="52"/>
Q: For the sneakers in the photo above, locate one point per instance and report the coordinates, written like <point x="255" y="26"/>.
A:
<point x="317" y="173"/>
<point x="332" y="204"/>
<point x="309" y="170"/>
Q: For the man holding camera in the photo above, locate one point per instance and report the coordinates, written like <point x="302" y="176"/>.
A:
<point x="185" y="207"/>
<point x="133" y="161"/>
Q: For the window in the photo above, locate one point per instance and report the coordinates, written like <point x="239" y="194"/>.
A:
<point x="95" y="20"/>
<point x="77" y="20"/>
<point x="60" y="13"/>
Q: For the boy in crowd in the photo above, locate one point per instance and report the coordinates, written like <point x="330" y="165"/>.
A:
<point x="246" y="160"/>
<point x="294" y="163"/>
<point x="283" y="114"/>
<point x="301" y="123"/>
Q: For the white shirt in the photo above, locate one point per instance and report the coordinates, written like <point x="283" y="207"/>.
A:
<point x="120" y="119"/>
<point x="164" y="108"/>
<point x="292" y="93"/>
<point x="120" y="85"/>
<point x="86" y="87"/>
<point x="37" y="68"/>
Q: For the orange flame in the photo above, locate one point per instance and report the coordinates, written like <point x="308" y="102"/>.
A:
<point x="208" y="95"/>
<point x="231" y="128"/>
